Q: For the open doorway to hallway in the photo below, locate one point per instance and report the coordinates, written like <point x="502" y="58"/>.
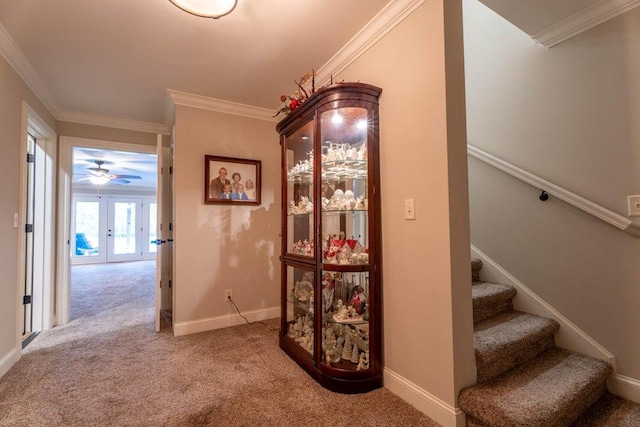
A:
<point x="113" y="220"/>
<point x="114" y="206"/>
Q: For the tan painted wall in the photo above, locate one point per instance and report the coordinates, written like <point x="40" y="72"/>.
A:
<point x="427" y="297"/>
<point x="13" y="91"/>
<point x="107" y="134"/>
<point x="224" y="247"/>
<point x="570" y="115"/>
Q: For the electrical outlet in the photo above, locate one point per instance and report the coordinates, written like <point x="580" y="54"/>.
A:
<point x="634" y="205"/>
<point x="228" y="295"/>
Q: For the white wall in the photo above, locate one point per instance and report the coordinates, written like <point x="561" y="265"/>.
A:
<point x="224" y="247"/>
<point x="570" y="115"/>
<point x="13" y="91"/>
<point x="426" y="263"/>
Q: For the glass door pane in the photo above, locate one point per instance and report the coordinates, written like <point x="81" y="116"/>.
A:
<point x="345" y="227"/>
<point x="88" y="220"/>
<point x="300" y="307"/>
<point x="124" y="230"/>
<point x="152" y="227"/>
<point x="299" y="193"/>
<point x="87" y="226"/>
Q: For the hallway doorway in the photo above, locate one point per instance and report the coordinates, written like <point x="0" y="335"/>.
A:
<point x="114" y="185"/>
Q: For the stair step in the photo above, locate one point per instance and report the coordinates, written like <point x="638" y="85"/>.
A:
<point x="552" y="389"/>
<point x="476" y="265"/>
<point x="490" y="299"/>
<point x="611" y="410"/>
<point x="506" y="340"/>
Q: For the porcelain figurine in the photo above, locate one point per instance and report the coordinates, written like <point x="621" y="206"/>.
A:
<point x="358" y="300"/>
<point x="355" y="355"/>
<point x="363" y="363"/>
<point x="347" y="350"/>
<point x="327" y="292"/>
<point x="362" y="153"/>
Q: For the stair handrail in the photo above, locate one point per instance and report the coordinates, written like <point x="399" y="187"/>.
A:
<point x="563" y="194"/>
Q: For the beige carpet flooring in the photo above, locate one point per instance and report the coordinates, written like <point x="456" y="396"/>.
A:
<point x="107" y="367"/>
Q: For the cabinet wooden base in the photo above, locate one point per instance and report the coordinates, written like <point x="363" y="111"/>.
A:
<point x="340" y="385"/>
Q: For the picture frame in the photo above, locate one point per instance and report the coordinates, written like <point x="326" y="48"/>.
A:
<point x="237" y="174"/>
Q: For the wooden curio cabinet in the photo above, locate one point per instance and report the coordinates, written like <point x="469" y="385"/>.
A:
<point x="331" y="322"/>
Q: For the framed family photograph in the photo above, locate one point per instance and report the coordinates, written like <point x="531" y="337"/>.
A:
<point x="231" y="181"/>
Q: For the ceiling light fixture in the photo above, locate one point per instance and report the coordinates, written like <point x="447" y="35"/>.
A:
<point x="206" y="8"/>
<point x="99" y="180"/>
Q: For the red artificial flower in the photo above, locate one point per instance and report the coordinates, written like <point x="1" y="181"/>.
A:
<point x="283" y="98"/>
<point x="294" y="104"/>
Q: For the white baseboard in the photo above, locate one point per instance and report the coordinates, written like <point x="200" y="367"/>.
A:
<point x="570" y="336"/>
<point x="433" y="407"/>
<point x="9" y="360"/>
<point x="626" y="387"/>
<point x="219" y="322"/>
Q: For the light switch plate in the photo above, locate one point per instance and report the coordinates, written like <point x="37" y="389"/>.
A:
<point x="634" y="205"/>
<point x="410" y="209"/>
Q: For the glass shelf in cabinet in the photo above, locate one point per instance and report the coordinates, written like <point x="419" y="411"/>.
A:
<point x="355" y="268"/>
<point x="342" y="211"/>
<point x="300" y="214"/>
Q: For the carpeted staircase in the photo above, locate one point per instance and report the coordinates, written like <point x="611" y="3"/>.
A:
<point x="523" y="379"/>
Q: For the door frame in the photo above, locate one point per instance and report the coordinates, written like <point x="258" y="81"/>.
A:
<point x="44" y="255"/>
<point x="65" y="176"/>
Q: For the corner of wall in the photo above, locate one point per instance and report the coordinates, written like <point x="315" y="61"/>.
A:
<point x="433" y="407"/>
<point x="9" y="360"/>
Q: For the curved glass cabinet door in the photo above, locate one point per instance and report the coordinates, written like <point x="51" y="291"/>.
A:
<point x="299" y="191"/>
<point x="345" y="228"/>
<point x="300" y="307"/>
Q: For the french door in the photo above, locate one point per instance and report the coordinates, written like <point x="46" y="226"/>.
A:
<point x="113" y="229"/>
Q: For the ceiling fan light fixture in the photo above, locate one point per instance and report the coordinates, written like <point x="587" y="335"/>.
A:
<point x="99" y="180"/>
<point x="206" y="8"/>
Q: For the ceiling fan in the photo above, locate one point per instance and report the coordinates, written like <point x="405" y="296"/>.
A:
<point x="100" y="176"/>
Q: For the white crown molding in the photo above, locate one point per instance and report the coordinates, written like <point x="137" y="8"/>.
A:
<point x="386" y="20"/>
<point x="220" y="105"/>
<point x="583" y="20"/>
<point x="112" y="122"/>
<point x="16" y="59"/>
